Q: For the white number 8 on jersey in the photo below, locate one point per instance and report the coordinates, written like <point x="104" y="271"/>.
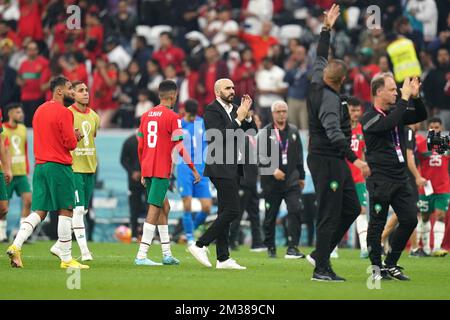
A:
<point x="152" y="137"/>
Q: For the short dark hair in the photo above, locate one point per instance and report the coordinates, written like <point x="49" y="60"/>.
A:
<point x="166" y="33"/>
<point x="434" y="119"/>
<point x="12" y="106"/>
<point x="378" y="82"/>
<point x="76" y="83"/>
<point x="167" y="86"/>
<point x="58" y="82"/>
<point x="191" y="106"/>
<point x="353" y="101"/>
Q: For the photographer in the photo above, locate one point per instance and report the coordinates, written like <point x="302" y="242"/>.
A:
<point x="384" y="131"/>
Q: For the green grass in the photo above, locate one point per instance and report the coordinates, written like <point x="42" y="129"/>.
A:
<point x="113" y="276"/>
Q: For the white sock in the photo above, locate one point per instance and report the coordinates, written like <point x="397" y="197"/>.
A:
<point x="3" y="230"/>
<point x="146" y="241"/>
<point x="419" y="230"/>
<point x="361" y="228"/>
<point x="165" y="239"/>
<point x="438" y="231"/>
<point x="22" y="219"/>
<point x="79" y="230"/>
<point x="26" y="229"/>
<point x="65" y="238"/>
<point x="426" y="228"/>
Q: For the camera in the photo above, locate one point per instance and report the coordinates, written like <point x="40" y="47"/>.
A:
<point x="438" y="143"/>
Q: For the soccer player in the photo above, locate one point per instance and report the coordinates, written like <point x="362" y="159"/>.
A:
<point x="358" y="146"/>
<point x="16" y="134"/>
<point x="434" y="169"/>
<point x="194" y="133"/>
<point x="53" y="183"/>
<point x="159" y="135"/>
<point x="5" y="179"/>
<point x="84" y="165"/>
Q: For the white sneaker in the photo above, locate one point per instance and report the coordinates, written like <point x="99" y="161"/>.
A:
<point x="311" y="260"/>
<point x="334" y="254"/>
<point x="229" y="264"/>
<point x="54" y="250"/>
<point x="201" y="254"/>
<point x="86" y="257"/>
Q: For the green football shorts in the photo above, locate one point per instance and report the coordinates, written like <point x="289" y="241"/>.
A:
<point x="84" y="188"/>
<point x="361" y="190"/>
<point x="428" y="204"/>
<point x="156" y="190"/>
<point x="3" y="190"/>
<point x="53" y="187"/>
<point x="20" y="185"/>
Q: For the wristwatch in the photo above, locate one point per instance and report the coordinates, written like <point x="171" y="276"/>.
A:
<point x="326" y="28"/>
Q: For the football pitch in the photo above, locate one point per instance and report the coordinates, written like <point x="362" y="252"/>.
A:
<point x="113" y="276"/>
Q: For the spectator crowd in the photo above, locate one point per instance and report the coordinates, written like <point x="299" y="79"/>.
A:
<point x="124" y="49"/>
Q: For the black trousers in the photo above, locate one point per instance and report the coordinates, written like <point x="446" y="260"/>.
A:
<point x="228" y="210"/>
<point x="138" y="207"/>
<point x="337" y="201"/>
<point x="293" y="203"/>
<point x="309" y="214"/>
<point x="249" y="201"/>
<point x="400" y="196"/>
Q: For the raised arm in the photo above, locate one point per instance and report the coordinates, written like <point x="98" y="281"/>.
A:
<point x="324" y="44"/>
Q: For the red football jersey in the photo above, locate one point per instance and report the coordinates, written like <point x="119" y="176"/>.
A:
<point x="433" y="167"/>
<point x="159" y="132"/>
<point x="358" y="146"/>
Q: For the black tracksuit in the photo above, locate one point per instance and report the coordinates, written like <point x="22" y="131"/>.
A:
<point x="330" y="136"/>
<point x="289" y="189"/>
<point x="137" y="194"/>
<point x="389" y="183"/>
<point x="249" y="199"/>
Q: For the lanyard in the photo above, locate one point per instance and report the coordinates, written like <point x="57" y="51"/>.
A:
<point x="395" y="139"/>
<point x="394" y="133"/>
<point x="284" y="148"/>
<point x="252" y="141"/>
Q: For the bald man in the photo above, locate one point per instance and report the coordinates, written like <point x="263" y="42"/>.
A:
<point x="224" y="118"/>
<point x="330" y="136"/>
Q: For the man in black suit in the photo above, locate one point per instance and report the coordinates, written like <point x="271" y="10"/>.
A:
<point x="225" y="124"/>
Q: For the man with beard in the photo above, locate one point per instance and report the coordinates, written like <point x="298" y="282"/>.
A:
<point x="221" y="115"/>
<point x="84" y="165"/>
<point x="53" y="182"/>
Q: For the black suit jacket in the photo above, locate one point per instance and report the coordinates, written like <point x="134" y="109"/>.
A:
<point x="217" y="118"/>
<point x="130" y="161"/>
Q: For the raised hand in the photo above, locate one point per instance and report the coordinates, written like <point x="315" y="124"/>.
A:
<point x="415" y="87"/>
<point x="331" y="16"/>
<point x="406" y="89"/>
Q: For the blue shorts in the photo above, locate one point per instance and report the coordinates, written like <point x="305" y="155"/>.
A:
<point x="186" y="186"/>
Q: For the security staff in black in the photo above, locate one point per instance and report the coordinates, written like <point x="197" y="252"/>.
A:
<point x="249" y="200"/>
<point x="329" y="145"/>
<point x="384" y="132"/>
<point x="287" y="180"/>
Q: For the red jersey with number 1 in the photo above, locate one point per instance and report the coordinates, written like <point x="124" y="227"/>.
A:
<point x="358" y="146"/>
<point x="433" y="167"/>
<point x="159" y="132"/>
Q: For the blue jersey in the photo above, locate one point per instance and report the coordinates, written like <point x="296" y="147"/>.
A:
<point x="194" y="141"/>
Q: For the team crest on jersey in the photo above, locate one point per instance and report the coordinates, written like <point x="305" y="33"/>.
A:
<point x="377" y="207"/>
<point x="334" y="185"/>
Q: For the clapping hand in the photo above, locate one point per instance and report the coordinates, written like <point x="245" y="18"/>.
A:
<point x="415" y="87"/>
<point x="244" y="108"/>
